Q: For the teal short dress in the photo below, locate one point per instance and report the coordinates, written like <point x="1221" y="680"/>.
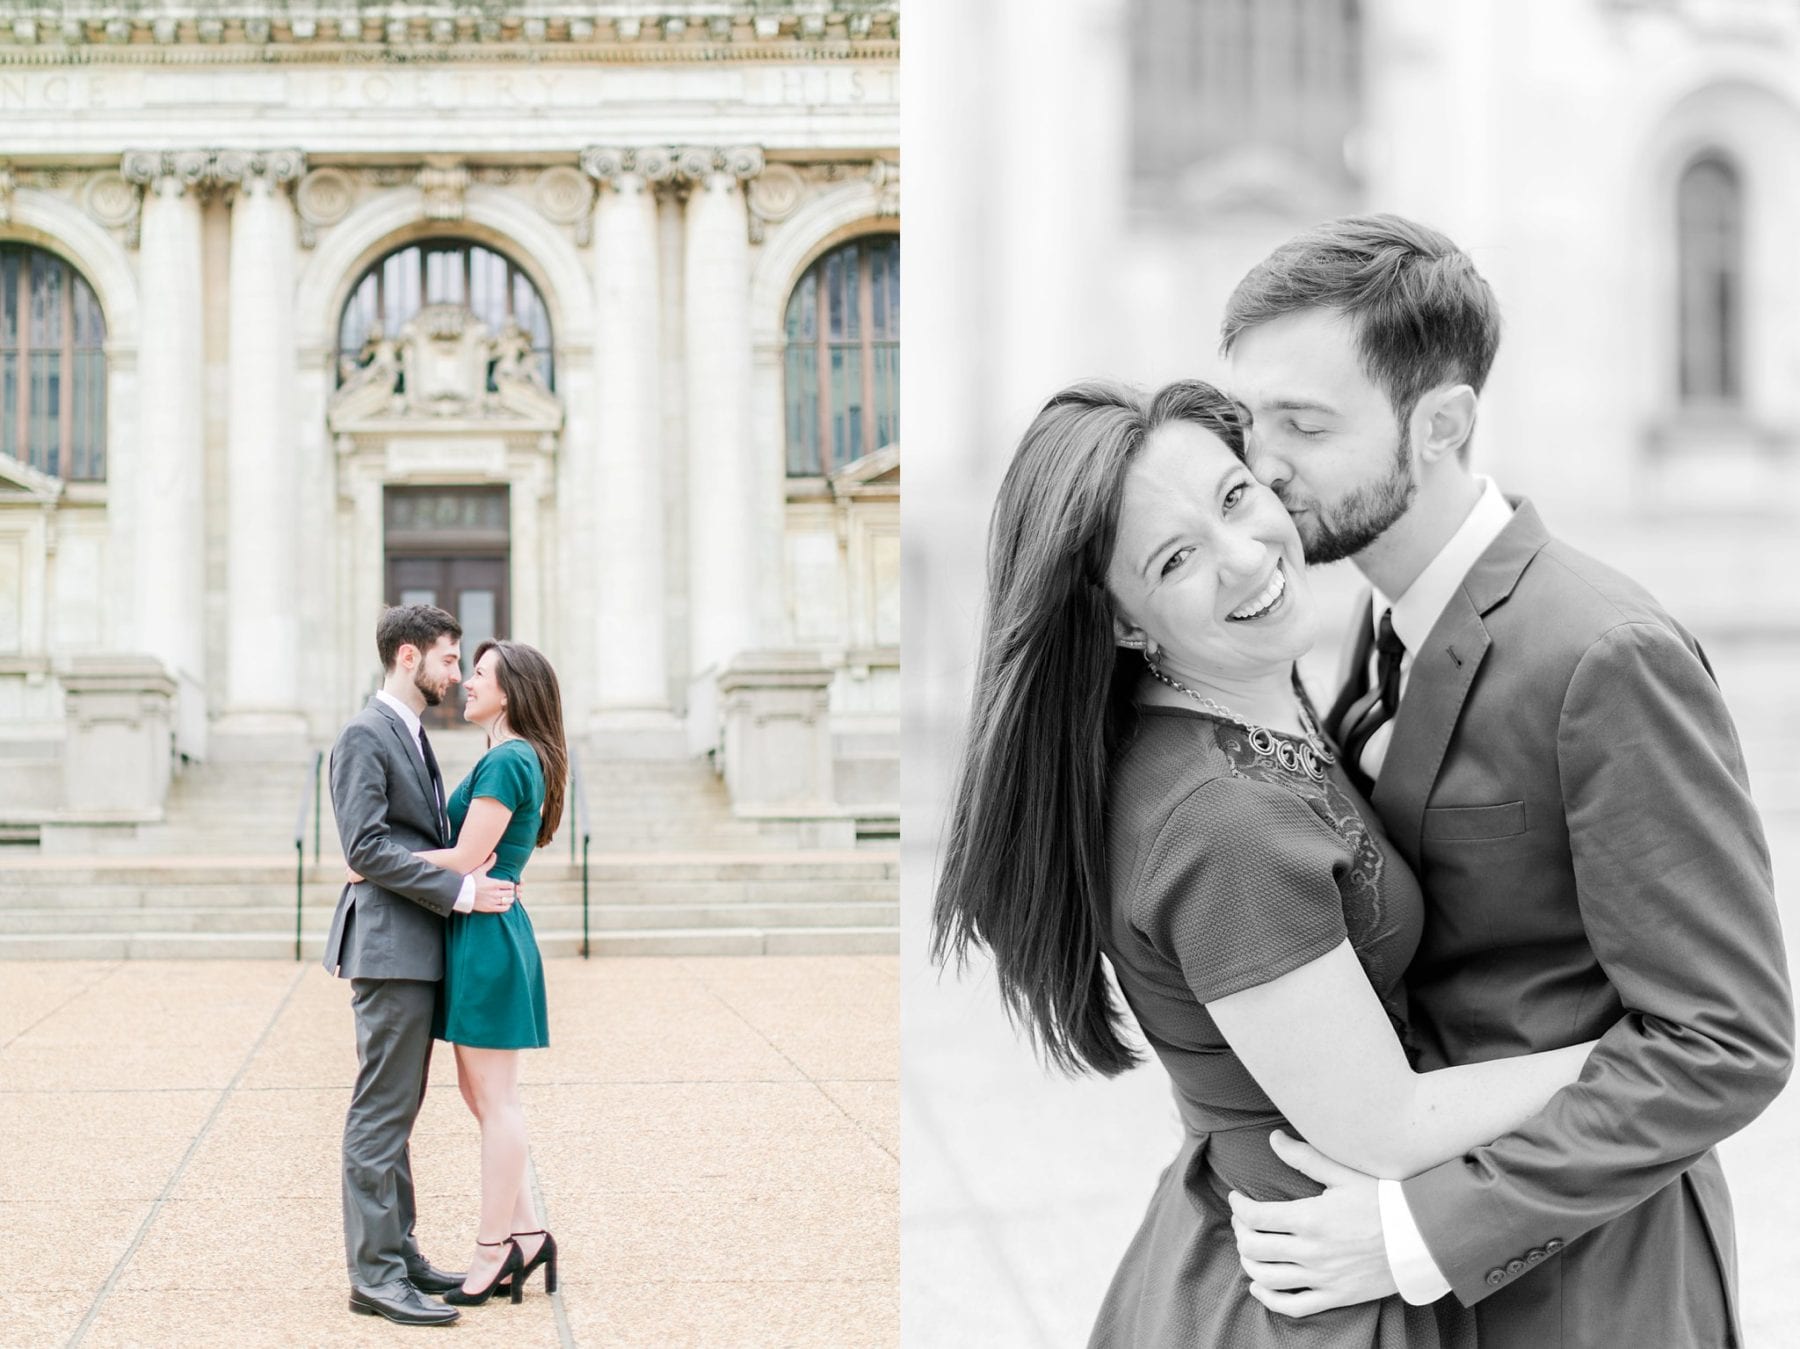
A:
<point x="493" y="993"/>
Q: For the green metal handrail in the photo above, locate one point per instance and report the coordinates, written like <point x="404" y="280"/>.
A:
<point x="579" y="829"/>
<point x="313" y="772"/>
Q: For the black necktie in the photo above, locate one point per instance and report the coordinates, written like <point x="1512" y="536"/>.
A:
<point x="1377" y="707"/>
<point x="437" y="779"/>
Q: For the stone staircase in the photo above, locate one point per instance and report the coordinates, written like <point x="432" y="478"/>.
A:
<point x="670" y="872"/>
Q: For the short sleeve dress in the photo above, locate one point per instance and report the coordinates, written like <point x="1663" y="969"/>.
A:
<point x="1228" y="869"/>
<point x="493" y="991"/>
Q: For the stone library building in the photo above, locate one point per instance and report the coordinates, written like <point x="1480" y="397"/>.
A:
<point x="581" y="322"/>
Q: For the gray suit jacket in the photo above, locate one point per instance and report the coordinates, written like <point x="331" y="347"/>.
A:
<point x="391" y="924"/>
<point x="1566" y="782"/>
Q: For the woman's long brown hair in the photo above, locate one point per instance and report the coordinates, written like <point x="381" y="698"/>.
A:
<point x="534" y="712"/>
<point x="1025" y="870"/>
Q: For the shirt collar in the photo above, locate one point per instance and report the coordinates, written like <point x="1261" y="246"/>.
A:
<point x="407" y="715"/>
<point x="1416" y="612"/>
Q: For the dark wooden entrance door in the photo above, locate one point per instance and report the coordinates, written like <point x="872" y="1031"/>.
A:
<point x="449" y="546"/>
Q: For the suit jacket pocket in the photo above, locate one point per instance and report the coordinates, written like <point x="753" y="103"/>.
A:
<point x="1469" y="823"/>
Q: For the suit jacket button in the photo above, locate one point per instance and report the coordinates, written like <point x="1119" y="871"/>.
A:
<point x="1496" y="1277"/>
<point x="1552" y="1246"/>
<point x="1534" y="1256"/>
<point x="1515" y="1267"/>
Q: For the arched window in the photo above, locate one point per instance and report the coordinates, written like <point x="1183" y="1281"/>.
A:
<point x="1710" y="253"/>
<point x="843" y="357"/>
<point x="443" y="271"/>
<point x="52" y="366"/>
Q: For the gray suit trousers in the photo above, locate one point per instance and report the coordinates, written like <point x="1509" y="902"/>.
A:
<point x="393" y="1051"/>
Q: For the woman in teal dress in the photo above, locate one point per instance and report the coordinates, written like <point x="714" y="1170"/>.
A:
<point x="492" y="1001"/>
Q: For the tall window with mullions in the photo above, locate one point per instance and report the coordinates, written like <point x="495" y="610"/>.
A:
<point x="52" y="366"/>
<point x="843" y="357"/>
<point x="1710" y="255"/>
<point x="1211" y="79"/>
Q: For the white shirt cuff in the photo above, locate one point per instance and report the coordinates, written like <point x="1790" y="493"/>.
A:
<point x="1416" y="1274"/>
<point x="465" y="902"/>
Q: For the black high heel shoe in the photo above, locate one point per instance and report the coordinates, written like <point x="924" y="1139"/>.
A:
<point x="514" y="1262"/>
<point x="546" y="1256"/>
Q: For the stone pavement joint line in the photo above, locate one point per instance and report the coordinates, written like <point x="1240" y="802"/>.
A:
<point x="97" y="980"/>
<point x="180" y="1167"/>
<point x="564" y="1335"/>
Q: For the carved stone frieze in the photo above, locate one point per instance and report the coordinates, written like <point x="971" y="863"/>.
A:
<point x="565" y="195"/>
<point x="444" y="184"/>
<point x="233" y="31"/>
<point x="114" y="202"/>
<point x="323" y="198"/>
<point x="885" y="175"/>
<point x="773" y="196"/>
<point x="6" y="195"/>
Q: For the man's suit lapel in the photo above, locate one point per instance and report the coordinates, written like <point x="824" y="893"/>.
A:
<point x="413" y="757"/>
<point x="1442" y="674"/>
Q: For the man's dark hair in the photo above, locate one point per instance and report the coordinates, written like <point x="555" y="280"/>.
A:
<point x="1423" y="314"/>
<point x="417" y="625"/>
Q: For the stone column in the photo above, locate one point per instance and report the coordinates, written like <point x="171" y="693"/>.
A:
<point x="169" y="530"/>
<point x="630" y="543"/>
<point x="263" y="470"/>
<point x="723" y="576"/>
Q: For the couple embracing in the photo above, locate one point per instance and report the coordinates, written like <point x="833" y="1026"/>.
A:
<point x="436" y="944"/>
<point x="1495" y="936"/>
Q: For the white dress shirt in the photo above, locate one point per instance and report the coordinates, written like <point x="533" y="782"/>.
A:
<point x="1415" y="613"/>
<point x="465" y="902"/>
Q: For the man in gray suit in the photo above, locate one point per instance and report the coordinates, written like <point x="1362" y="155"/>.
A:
<point x="387" y="939"/>
<point x="1549" y="751"/>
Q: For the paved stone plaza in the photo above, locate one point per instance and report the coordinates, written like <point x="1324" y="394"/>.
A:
<point x="715" y="1142"/>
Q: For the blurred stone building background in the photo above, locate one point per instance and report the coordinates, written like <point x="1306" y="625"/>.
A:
<point x="581" y="321"/>
<point x="1096" y="182"/>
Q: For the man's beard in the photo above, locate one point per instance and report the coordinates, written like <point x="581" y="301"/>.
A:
<point x="1365" y="514"/>
<point x="432" y="693"/>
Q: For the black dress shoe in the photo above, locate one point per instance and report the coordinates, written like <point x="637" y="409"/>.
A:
<point x="399" y="1301"/>
<point x="428" y="1278"/>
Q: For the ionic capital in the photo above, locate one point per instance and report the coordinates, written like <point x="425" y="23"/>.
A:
<point x="611" y="165"/>
<point x="696" y="163"/>
<point x="169" y="173"/>
<point x="259" y="171"/>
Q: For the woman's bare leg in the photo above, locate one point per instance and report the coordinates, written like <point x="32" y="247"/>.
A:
<point x="465" y="1084"/>
<point x="494" y="1078"/>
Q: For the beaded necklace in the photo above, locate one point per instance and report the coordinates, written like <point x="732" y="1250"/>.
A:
<point x="1309" y="757"/>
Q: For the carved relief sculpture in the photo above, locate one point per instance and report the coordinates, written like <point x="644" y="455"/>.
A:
<point x="444" y="360"/>
<point x="368" y="387"/>
<point x="519" y="385"/>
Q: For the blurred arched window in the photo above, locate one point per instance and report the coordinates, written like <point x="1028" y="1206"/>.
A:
<point x="443" y="271"/>
<point x="52" y="366"/>
<point x="1219" y="77"/>
<point x="843" y="357"/>
<point x="1710" y="256"/>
